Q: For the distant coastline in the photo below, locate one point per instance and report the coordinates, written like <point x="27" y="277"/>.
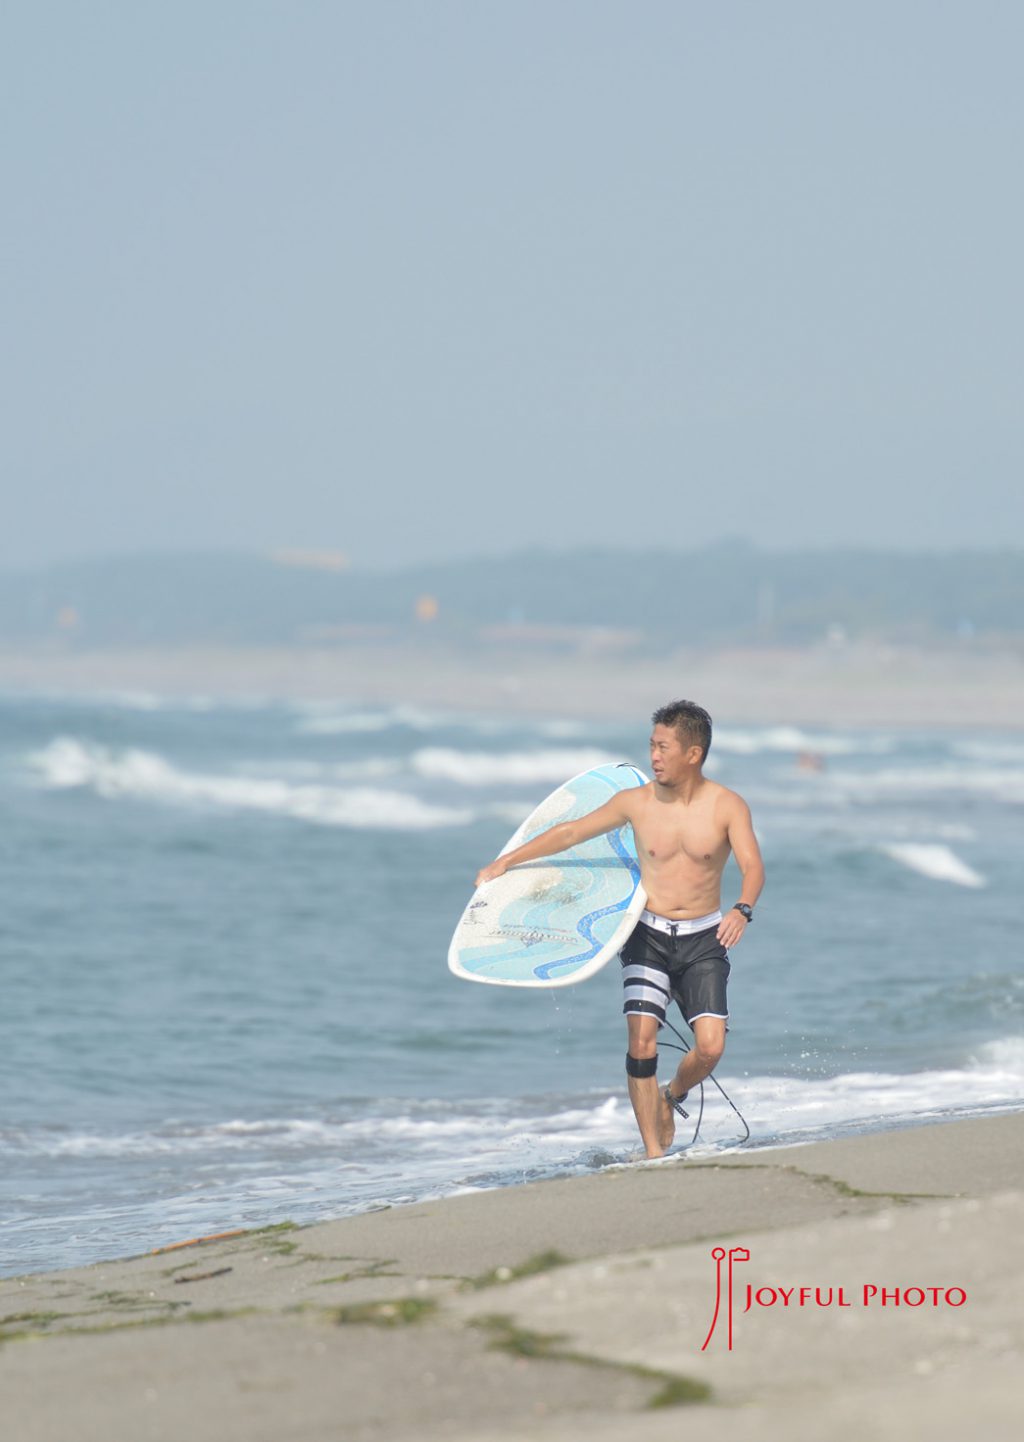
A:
<point x="853" y="685"/>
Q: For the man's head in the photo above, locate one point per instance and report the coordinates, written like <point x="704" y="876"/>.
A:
<point x="686" y="724"/>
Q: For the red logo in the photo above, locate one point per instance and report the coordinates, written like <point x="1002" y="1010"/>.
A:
<point x="869" y="1294"/>
<point x="734" y="1254"/>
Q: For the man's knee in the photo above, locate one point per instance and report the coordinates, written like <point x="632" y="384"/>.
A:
<point x="642" y="1034"/>
<point x="709" y="1040"/>
<point x="642" y="1056"/>
<point x="710" y="1053"/>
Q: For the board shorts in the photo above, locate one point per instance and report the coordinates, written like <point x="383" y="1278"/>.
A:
<point x="689" y="965"/>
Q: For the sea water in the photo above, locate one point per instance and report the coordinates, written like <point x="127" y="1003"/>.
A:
<point x="225" y="999"/>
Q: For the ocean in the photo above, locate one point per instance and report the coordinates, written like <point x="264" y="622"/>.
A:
<point x="223" y="944"/>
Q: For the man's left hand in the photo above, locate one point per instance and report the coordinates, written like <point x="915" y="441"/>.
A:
<point x="731" y="927"/>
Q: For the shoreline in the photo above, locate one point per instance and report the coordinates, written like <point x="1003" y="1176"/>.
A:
<point x="856" y="685"/>
<point x="565" y="1308"/>
<point x="843" y="1131"/>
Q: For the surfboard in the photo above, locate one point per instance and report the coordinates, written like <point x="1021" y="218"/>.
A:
<point x="556" y="921"/>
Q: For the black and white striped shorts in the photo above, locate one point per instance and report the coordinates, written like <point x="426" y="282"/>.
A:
<point x="692" y="968"/>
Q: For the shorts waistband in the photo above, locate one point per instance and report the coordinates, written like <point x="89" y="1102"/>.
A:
<point x="680" y="928"/>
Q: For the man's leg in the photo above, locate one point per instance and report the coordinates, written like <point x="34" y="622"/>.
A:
<point x="642" y="1031"/>
<point x="699" y="1062"/>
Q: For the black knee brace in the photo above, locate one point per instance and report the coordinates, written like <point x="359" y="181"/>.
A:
<point x="641" y="1065"/>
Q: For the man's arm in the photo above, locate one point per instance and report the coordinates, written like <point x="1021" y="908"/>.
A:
<point x="748" y="858"/>
<point x="566" y="834"/>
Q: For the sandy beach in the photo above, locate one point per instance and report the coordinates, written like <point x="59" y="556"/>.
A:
<point x="859" y="685"/>
<point x="884" y="1275"/>
<point x="875" y="1279"/>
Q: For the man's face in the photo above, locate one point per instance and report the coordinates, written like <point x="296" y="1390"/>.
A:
<point x="671" y="757"/>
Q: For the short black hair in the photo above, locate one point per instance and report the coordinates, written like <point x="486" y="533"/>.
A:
<point x="691" y="721"/>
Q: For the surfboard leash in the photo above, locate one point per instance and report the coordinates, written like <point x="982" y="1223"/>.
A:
<point x="685" y="1047"/>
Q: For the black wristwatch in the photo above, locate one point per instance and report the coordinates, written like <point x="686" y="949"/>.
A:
<point x="747" y="912"/>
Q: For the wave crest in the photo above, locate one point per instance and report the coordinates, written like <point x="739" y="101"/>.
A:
<point x="69" y="763"/>
<point x="935" y="861"/>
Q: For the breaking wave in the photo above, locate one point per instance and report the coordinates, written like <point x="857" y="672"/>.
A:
<point x="933" y="860"/>
<point x="69" y="763"/>
<point x="791" y="739"/>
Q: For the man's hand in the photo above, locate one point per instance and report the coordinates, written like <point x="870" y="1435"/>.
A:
<point x="488" y="873"/>
<point x="731" y="927"/>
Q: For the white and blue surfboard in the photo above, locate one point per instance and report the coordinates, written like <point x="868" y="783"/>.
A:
<point x="556" y="921"/>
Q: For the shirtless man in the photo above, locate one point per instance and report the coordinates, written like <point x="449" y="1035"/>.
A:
<point x="685" y="827"/>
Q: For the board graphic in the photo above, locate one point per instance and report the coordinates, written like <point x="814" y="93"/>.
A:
<point x="556" y="921"/>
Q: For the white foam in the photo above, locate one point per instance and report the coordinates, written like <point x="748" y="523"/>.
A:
<point x="327" y="718"/>
<point x="562" y="730"/>
<point x="785" y="1106"/>
<point x="135" y="700"/>
<point x="68" y="762"/>
<point x="247" y="1171"/>
<point x="459" y="1132"/>
<point x="331" y="718"/>
<point x="151" y="701"/>
<point x="790" y="739"/>
<point x="1000" y="783"/>
<point x="370" y="769"/>
<point x="516" y="1132"/>
<point x="173" y="1138"/>
<point x="991" y="751"/>
<point x="789" y="1108"/>
<point x="1002" y="1059"/>
<point x="344" y="723"/>
<point x="933" y="860"/>
<point x="510" y="768"/>
<point x="510" y="812"/>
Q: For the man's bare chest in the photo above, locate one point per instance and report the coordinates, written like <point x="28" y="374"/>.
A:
<point x="696" y="839"/>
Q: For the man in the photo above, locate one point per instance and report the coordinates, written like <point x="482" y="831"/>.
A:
<point x="685" y="826"/>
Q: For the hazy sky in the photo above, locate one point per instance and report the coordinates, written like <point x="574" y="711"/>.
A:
<point x="417" y="280"/>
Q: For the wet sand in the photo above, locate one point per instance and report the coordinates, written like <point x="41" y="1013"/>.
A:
<point x="568" y="1309"/>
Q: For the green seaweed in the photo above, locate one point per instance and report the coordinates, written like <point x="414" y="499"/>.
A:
<point x="519" y="1341"/>
<point x="844" y="1189"/>
<point x="396" y="1313"/>
<point x="371" y="1269"/>
<point x="841" y="1188"/>
<point x="167" y="1320"/>
<point x="677" y="1392"/>
<point x="674" y="1390"/>
<point x="40" y="1319"/>
<point x="498" y="1276"/>
<point x="121" y="1299"/>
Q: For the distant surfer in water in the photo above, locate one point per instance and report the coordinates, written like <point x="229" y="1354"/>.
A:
<point x="685" y="826"/>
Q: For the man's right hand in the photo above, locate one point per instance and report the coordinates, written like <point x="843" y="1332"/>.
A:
<point x="561" y="837"/>
<point x="488" y="873"/>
